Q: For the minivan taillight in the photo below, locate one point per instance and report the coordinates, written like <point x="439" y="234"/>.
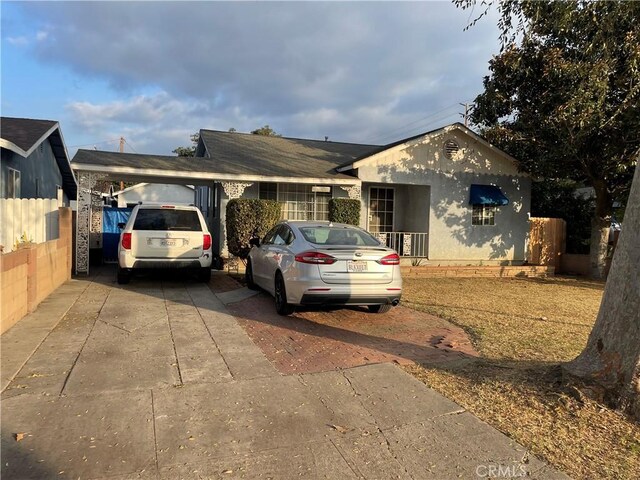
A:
<point x="206" y="241"/>
<point x="318" y="258"/>
<point x="126" y="241"/>
<point x="391" y="259"/>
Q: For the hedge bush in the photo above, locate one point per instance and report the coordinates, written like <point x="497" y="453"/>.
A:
<point x="344" y="210"/>
<point x="246" y="216"/>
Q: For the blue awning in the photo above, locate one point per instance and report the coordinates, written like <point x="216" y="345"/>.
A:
<point x="487" y="195"/>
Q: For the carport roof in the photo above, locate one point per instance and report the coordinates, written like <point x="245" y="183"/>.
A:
<point x="311" y="164"/>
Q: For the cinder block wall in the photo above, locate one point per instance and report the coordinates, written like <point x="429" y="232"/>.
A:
<point x="29" y="275"/>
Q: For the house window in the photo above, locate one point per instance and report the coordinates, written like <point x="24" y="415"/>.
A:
<point x="483" y="215"/>
<point x="381" y="207"/>
<point x="299" y="202"/>
<point x="13" y="183"/>
<point x="322" y="206"/>
<point x="268" y="191"/>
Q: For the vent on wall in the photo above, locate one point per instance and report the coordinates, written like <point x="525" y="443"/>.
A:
<point x="451" y="147"/>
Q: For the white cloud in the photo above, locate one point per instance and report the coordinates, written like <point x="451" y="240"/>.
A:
<point x="347" y="70"/>
<point x="41" y="36"/>
<point x="20" y="41"/>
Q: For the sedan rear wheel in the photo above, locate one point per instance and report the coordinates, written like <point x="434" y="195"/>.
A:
<point x="380" y="308"/>
<point x="282" y="307"/>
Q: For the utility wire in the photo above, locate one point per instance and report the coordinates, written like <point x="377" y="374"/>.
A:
<point x="425" y="127"/>
<point x="403" y="128"/>
<point x="130" y="146"/>
<point x="93" y="143"/>
<point x="392" y="133"/>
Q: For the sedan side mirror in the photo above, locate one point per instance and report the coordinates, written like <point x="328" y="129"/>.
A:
<point x="121" y="225"/>
<point x="254" y="241"/>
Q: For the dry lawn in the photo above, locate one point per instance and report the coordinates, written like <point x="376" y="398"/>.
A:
<point x="523" y="328"/>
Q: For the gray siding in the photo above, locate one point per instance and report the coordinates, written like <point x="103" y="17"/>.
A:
<point x="39" y="172"/>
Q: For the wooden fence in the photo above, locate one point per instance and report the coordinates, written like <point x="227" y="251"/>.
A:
<point x="547" y="241"/>
<point x="33" y="219"/>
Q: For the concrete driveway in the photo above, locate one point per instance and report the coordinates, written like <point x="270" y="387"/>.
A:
<point x="159" y="380"/>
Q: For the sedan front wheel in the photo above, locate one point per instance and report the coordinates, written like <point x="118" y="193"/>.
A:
<point x="282" y="307"/>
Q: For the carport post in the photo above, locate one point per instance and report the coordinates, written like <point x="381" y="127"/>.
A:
<point x="86" y="202"/>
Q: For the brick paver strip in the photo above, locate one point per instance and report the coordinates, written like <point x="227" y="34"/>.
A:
<point x="316" y="340"/>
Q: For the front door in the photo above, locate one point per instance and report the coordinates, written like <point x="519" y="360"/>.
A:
<point x="381" y="209"/>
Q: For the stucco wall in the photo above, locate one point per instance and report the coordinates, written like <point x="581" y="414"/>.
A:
<point x="38" y="168"/>
<point x="452" y="238"/>
<point x="401" y="164"/>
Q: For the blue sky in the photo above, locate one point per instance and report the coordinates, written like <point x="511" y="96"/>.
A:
<point x="154" y="72"/>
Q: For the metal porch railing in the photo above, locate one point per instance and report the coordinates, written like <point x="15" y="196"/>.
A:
<point x="407" y="244"/>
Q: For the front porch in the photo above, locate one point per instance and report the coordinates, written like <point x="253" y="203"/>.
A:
<point x="398" y="216"/>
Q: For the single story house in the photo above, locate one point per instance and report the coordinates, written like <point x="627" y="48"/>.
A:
<point x="34" y="161"/>
<point x="446" y="196"/>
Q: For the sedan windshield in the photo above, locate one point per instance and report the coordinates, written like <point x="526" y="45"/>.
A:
<point x="323" y="235"/>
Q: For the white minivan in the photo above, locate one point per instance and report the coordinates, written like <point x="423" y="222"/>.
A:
<point x="167" y="237"/>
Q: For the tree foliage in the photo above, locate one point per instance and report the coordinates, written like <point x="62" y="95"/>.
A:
<point x="266" y="131"/>
<point x="188" y="151"/>
<point x="558" y="199"/>
<point x="563" y="97"/>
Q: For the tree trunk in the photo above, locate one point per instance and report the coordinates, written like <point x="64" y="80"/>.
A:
<point x="611" y="358"/>
<point x="599" y="246"/>
<point x="600" y="227"/>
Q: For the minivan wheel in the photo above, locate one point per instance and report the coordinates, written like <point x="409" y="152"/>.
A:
<point x="380" y="308"/>
<point x="123" y="276"/>
<point x="204" y="275"/>
<point x="248" y="277"/>
<point x="282" y="307"/>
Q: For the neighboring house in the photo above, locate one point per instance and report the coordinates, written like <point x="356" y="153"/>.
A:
<point x="154" y="193"/>
<point x="446" y="196"/>
<point x="34" y="161"/>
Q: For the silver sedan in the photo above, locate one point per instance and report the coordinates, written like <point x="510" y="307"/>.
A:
<point x="322" y="263"/>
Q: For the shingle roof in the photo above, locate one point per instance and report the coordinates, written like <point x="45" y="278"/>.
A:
<point x="279" y="156"/>
<point x="136" y="160"/>
<point x="24" y="133"/>
<point x="243" y="154"/>
<point x="27" y="133"/>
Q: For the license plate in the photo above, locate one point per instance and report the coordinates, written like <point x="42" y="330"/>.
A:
<point x="164" y="242"/>
<point x="356" y="266"/>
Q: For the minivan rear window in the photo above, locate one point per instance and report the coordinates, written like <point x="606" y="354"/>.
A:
<point x="156" y="219"/>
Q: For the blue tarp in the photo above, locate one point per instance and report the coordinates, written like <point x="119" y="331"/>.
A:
<point x="110" y="231"/>
<point x="487" y="195"/>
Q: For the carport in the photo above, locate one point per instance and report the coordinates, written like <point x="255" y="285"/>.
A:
<point x="224" y="181"/>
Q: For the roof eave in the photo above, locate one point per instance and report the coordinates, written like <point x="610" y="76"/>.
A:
<point x="213" y="176"/>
